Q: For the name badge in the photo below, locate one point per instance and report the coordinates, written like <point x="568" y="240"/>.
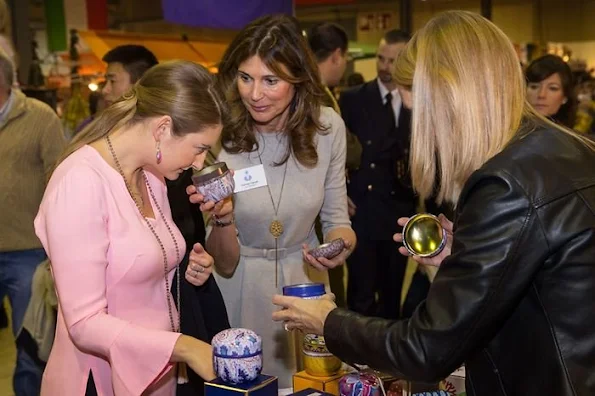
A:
<point x="249" y="178"/>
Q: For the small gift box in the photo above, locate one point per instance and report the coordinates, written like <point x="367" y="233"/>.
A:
<point x="237" y="355"/>
<point x="264" y="385"/>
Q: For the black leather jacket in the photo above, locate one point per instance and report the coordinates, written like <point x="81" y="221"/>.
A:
<point x="515" y="301"/>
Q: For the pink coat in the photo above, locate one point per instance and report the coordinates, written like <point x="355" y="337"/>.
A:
<point x="108" y="269"/>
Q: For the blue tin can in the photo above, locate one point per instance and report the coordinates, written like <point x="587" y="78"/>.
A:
<point x="316" y="358"/>
<point x="305" y="290"/>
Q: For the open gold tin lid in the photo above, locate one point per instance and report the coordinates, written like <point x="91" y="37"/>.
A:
<point x="423" y="235"/>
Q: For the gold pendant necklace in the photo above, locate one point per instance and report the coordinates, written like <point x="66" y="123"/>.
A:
<point x="276" y="226"/>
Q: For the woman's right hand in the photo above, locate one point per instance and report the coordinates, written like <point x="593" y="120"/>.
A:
<point x="432" y="261"/>
<point x="197" y="354"/>
<point x="221" y="209"/>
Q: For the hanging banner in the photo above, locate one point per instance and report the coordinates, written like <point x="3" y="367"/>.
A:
<point x="222" y="14"/>
<point x="55" y="25"/>
<point x="322" y="2"/>
<point x="96" y="14"/>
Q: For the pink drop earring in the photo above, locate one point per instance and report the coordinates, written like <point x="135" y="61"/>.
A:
<point x="158" y="154"/>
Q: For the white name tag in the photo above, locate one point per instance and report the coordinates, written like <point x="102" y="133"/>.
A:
<point x="249" y="178"/>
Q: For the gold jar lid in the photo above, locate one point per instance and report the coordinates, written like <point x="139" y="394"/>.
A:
<point x="423" y="235"/>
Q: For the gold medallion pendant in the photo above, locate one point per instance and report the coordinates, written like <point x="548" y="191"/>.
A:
<point x="276" y="228"/>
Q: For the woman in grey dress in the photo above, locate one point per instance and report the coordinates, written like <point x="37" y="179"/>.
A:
<point x="279" y="132"/>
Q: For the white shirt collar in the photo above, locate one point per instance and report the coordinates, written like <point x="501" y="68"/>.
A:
<point x="384" y="91"/>
<point x="396" y="100"/>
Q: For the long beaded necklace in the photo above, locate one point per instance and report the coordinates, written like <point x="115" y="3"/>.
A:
<point x="163" y="252"/>
<point x="276" y="226"/>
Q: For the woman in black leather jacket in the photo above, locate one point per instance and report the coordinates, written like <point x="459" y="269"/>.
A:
<point x="514" y="298"/>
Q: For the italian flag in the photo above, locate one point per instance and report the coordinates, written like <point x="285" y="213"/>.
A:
<point x="62" y="15"/>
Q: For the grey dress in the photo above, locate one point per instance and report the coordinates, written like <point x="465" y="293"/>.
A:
<point x="307" y="192"/>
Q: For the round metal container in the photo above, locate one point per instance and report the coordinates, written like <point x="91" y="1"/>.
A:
<point x="214" y="182"/>
<point x="359" y="384"/>
<point x="423" y="235"/>
<point x="328" y="250"/>
<point x="316" y="359"/>
<point x="209" y="172"/>
<point x="305" y="290"/>
<point x="237" y="355"/>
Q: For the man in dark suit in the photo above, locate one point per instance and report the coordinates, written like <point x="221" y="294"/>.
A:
<point x="380" y="190"/>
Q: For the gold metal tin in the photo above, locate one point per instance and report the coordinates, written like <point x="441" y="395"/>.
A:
<point x="423" y="235"/>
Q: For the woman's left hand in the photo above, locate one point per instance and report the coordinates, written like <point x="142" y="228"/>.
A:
<point x="306" y="315"/>
<point x="323" y="264"/>
<point x="200" y="265"/>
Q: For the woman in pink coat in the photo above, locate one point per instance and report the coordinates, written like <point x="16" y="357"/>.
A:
<point x="106" y="225"/>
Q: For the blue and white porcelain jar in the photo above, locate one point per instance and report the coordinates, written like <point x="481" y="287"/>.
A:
<point x="237" y="355"/>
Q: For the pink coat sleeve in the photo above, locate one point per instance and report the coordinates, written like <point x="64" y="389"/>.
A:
<point x="72" y="225"/>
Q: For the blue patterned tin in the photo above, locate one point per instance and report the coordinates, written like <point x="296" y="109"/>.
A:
<point x="214" y="182"/>
<point x="237" y="355"/>
<point x="328" y="250"/>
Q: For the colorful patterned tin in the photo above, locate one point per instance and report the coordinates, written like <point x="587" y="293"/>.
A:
<point x="237" y="355"/>
<point x="328" y="250"/>
<point x="318" y="361"/>
<point x="359" y="384"/>
<point x="214" y="182"/>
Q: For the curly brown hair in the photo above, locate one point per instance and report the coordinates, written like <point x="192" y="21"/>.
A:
<point x="278" y="41"/>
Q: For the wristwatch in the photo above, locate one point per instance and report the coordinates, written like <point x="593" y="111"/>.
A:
<point x="219" y="223"/>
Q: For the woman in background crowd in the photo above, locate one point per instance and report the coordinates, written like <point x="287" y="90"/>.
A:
<point x="550" y="89"/>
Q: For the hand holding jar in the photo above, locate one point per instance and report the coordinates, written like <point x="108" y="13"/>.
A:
<point x="213" y="189"/>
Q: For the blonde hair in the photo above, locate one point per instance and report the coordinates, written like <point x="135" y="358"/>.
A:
<point x="183" y="90"/>
<point x="468" y="100"/>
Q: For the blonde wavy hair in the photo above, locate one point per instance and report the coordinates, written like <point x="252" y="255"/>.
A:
<point x="468" y="100"/>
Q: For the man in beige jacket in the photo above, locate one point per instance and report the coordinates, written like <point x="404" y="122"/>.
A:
<point x="31" y="139"/>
